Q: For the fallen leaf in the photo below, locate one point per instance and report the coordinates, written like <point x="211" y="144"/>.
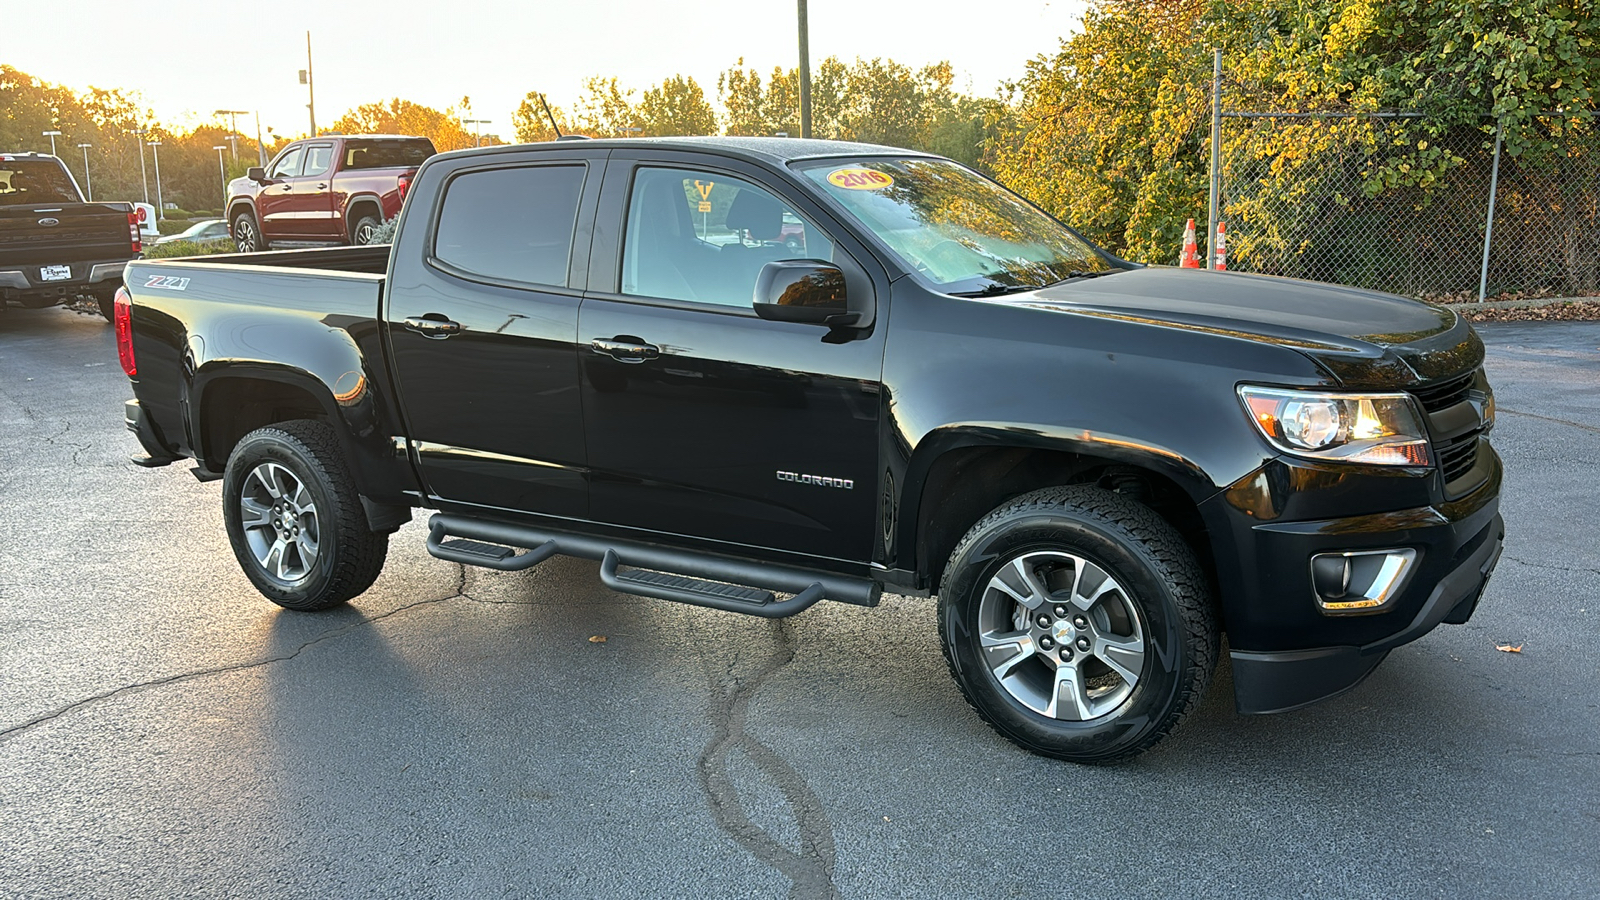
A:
<point x="601" y="639"/>
<point x="1508" y="648"/>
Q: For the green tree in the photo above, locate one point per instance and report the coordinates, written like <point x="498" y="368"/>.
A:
<point x="676" y="106"/>
<point x="531" y="123"/>
<point x="605" y="110"/>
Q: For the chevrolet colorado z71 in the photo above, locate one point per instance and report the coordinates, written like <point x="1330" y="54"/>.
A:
<point x="626" y="350"/>
<point x="332" y="189"/>
<point x="55" y="247"/>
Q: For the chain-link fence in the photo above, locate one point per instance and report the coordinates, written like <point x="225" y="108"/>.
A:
<point x="1306" y="196"/>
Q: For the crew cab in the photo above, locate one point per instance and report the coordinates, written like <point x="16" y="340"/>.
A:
<point x="327" y="190"/>
<point x="54" y="246"/>
<point x="612" y="349"/>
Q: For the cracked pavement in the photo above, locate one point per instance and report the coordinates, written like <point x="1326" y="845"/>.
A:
<point x="165" y="731"/>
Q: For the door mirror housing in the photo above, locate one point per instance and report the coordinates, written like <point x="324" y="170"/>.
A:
<point x="256" y="173"/>
<point x="808" y="291"/>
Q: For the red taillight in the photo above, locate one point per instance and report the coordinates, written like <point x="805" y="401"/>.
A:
<point x="405" y="185"/>
<point x="133" y="230"/>
<point x="122" y="319"/>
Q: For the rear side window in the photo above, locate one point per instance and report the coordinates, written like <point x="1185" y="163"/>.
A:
<point x="513" y="224"/>
<point x="386" y="154"/>
<point x="318" y="158"/>
<point x="34" y="181"/>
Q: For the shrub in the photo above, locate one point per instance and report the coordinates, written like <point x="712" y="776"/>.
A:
<point x="188" y="248"/>
<point x="172" y="226"/>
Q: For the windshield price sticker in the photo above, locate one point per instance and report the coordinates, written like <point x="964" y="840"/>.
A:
<point x="859" y="179"/>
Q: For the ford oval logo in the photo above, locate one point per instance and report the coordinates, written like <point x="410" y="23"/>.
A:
<point x="49" y="223"/>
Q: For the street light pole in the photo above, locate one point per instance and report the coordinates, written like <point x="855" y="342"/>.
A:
<point x="311" y="88"/>
<point x="805" y="73"/>
<point x="88" y="183"/>
<point x="261" y="149"/>
<point x="155" y="153"/>
<point x="144" y="178"/>
<point x="233" y="126"/>
<point x="477" y="140"/>
<point x="52" y="136"/>
<point x="223" y="170"/>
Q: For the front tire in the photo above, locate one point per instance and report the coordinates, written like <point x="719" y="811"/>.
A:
<point x="1078" y="624"/>
<point x="295" y="520"/>
<point x="246" y="235"/>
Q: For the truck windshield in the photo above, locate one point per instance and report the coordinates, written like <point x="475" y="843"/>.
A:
<point x="35" y="181"/>
<point x="386" y="154"/>
<point x="960" y="230"/>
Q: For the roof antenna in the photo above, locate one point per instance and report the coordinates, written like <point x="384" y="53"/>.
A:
<point x="550" y="117"/>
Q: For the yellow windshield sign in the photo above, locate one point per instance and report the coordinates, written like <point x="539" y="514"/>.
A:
<point x="859" y="179"/>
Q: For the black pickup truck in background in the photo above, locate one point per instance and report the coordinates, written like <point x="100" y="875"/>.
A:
<point x="54" y="247"/>
<point x="753" y="374"/>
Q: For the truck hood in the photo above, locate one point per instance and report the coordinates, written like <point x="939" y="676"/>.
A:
<point x="1365" y="338"/>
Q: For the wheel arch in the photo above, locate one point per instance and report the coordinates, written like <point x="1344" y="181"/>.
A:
<point x="960" y="474"/>
<point x="356" y="205"/>
<point x="242" y="204"/>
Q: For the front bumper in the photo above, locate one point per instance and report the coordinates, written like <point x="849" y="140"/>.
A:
<point x="1286" y="651"/>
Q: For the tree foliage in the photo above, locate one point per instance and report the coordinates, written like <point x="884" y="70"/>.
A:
<point x="676" y="106"/>
<point x="397" y="116"/>
<point x="531" y="124"/>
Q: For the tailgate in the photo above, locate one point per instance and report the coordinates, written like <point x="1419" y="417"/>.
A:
<point x="64" y="233"/>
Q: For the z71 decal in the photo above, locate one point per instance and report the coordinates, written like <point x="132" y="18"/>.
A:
<point x="167" y="283"/>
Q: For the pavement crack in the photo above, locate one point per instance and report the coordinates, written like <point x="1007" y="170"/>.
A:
<point x="17" y="730"/>
<point x="810" y="870"/>
<point x="1579" y="425"/>
<point x="1540" y="565"/>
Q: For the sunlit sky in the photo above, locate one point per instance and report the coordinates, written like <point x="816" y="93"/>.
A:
<point x="188" y="57"/>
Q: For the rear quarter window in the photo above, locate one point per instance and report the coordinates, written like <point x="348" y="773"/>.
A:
<point x="513" y="224"/>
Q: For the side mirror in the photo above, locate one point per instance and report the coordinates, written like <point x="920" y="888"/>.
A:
<point x="809" y="291"/>
<point x="256" y="173"/>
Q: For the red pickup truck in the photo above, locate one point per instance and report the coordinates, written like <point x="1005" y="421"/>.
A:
<point x="332" y="189"/>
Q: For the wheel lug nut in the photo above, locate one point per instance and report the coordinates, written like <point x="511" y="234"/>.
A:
<point x="1043" y="620"/>
<point x="1061" y="612"/>
<point x="1080" y="622"/>
<point x="1046" y="643"/>
<point x="1083" y="644"/>
<point x="1066" y="654"/>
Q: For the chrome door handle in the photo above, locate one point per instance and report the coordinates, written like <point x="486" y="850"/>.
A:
<point x="323" y="186"/>
<point x="625" y="351"/>
<point x="432" y="325"/>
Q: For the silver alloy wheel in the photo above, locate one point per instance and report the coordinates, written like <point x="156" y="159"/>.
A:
<point x="1061" y="636"/>
<point x="280" y="522"/>
<point x="364" y="233"/>
<point x="244" y="234"/>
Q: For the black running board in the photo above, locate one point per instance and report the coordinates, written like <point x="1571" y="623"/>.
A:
<point x="716" y="582"/>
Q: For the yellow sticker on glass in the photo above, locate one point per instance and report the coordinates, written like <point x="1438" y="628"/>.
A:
<point x="859" y="179"/>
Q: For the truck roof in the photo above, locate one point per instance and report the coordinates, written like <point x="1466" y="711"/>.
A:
<point x="764" y="149"/>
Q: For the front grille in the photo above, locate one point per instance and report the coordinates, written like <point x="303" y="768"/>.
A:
<point x="1444" y="394"/>
<point x="1458" y="455"/>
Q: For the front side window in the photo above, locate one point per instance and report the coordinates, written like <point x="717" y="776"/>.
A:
<point x="288" y="165"/>
<point x="318" y="158"/>
<point x="513" y="224"/>
<point x="703" y="237"/>
<point x="959" y="229"/>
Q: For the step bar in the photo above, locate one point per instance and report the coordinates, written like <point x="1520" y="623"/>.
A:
<point x="715" y="582"/>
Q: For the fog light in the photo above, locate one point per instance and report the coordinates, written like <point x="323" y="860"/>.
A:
<point x="1359" y="581"/>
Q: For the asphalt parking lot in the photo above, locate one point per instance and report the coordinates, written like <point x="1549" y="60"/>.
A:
<point x="167" y="732"/>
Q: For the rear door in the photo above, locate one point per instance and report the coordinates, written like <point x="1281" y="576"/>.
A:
<point x="482" y="324"/>
<point x="312" y="202"/>
<point x="727" y="427"/>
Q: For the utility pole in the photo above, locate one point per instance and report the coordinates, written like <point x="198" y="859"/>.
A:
<point x="88" y="183"/>
<point x="222" y="169"/>
<point x="805" y="73"/>
<point x="1216" y="157"/>
<point x="261" y="149"/>
<point x="309" y="80"/>
<point x="52" y="136"/>
<point x="155" y="152"/>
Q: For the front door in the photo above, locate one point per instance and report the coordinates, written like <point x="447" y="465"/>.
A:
<point x="703" y="419"/>
<point x="275" y="201"/>
<point x="482" y="324"/>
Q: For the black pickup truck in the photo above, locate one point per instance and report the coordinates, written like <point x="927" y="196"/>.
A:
<point x="54" y="247"/>
<point x="752" y="374"/>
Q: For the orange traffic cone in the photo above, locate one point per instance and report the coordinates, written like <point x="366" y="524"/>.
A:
<point x="1222" y="246"/>
<point x="1190" y="258"/>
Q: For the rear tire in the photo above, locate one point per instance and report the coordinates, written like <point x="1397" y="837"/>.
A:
<point x="295" y="520"/>
<point x="108" y="305"/>
<point x="366" y="227"/>
<point x="246" y="233"/>
<point x="1078" y="624"/>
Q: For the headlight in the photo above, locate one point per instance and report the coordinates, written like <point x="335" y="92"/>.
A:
<point x="1377" y="429"/>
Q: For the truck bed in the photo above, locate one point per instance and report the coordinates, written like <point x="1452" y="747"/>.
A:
<point x="367" y="260"/>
